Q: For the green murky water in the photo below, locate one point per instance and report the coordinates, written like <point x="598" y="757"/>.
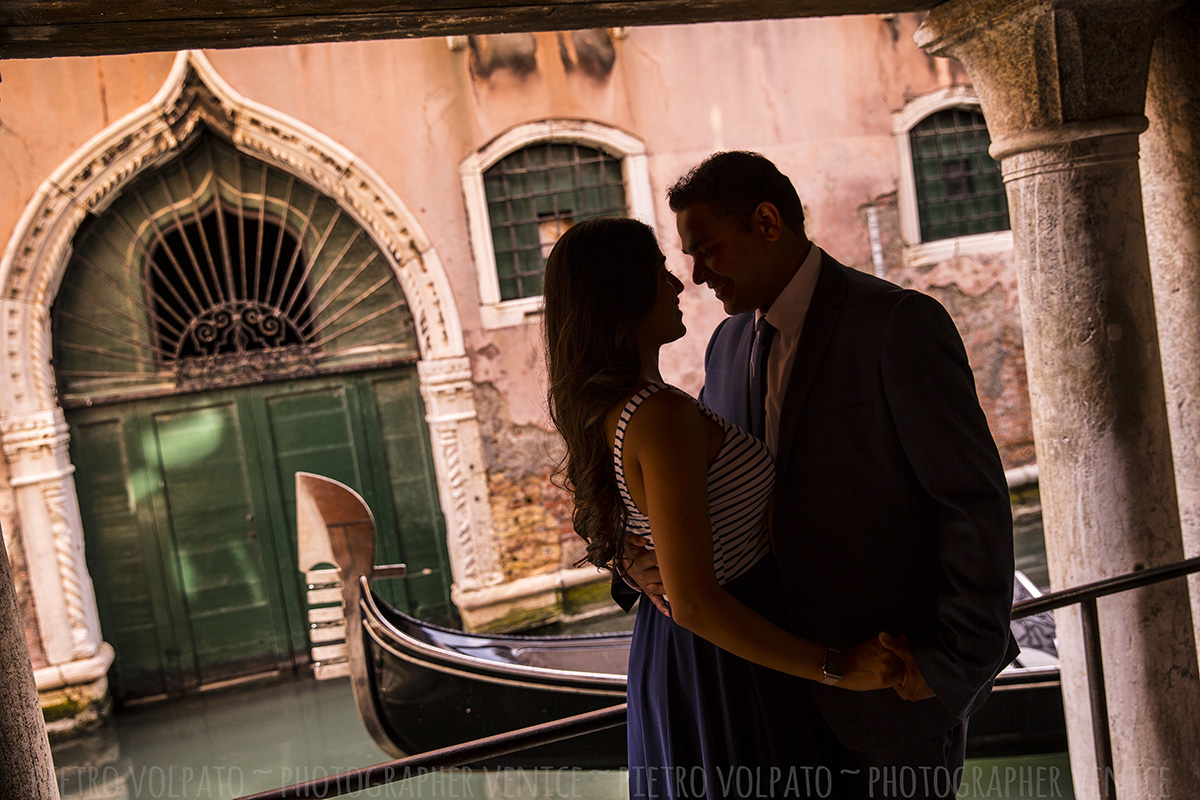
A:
<point x="239" y="741"/>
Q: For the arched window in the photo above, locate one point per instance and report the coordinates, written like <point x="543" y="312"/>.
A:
<point x="216" y="269"/>
<point x="951" y="196"/>
<point x="959" y="190"/>
<point x="235" y="303"/>
<point x="534" y="195"/>
<point x="524" y="189"/>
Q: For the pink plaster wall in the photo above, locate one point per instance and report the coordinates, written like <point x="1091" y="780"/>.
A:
<point x="815" y="95"/>
<point x="50" y="108"/>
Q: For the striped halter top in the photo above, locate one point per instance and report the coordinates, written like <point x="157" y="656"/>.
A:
<point x="740" y="481"/>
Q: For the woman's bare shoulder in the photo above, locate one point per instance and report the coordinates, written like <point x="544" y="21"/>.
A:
<point x="668" y="413"/>
<point x="671" y="400"/>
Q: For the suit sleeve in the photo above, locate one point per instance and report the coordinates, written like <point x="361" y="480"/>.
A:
<point x="930" y="390"/>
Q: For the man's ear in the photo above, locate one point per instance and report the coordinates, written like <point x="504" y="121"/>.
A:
<point x="766" y="221"/>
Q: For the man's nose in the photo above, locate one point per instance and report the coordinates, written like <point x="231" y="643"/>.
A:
<point x="699" y="272"/>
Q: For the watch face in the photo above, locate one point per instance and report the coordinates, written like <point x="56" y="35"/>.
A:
<point x="835" y="663"/>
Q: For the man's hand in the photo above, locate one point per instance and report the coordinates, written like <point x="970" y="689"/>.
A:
<point x="639" y="565"/>
<point x="871" y="666"/>
<point x="913" y="687"/>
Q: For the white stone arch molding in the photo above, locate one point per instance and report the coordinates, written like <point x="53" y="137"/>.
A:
<point x="631" y="151"/>
<point x="916" y="252"/>
<point x="32" y="426"/>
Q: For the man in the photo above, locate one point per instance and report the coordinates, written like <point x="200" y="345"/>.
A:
<point x="891" y="510"/>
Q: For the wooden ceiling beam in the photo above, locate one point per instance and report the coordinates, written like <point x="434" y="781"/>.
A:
<point x="53" y="28"/>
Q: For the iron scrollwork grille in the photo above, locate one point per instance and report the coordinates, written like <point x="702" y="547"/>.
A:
<point x="221" y="319"/>
<point x="219" y="270"/>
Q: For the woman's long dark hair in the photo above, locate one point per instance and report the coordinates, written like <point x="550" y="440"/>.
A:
<point x="601" y="282"/>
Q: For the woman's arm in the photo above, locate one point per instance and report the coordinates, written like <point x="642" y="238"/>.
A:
<point x="667" y="446"/>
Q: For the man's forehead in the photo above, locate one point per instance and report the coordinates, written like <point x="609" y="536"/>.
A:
<point x="688" y="238"/>
<point x="697" y="220"/>
<point x="682" y="226"/>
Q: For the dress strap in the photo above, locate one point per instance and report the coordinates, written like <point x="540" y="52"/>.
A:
<point x="619" y="441"/>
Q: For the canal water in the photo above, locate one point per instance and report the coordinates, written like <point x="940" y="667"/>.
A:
<point x="226" y="743"/>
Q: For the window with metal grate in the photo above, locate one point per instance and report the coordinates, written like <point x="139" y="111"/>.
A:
<point x="958" y="185"/>
<point x="534" y="194"/>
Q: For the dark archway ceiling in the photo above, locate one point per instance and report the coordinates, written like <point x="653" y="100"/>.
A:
<point x="49" y="28"/>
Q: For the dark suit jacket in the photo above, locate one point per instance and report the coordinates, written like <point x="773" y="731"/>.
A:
<point x="891" y="512"/>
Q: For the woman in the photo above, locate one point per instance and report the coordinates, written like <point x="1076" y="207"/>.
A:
<point x="714" y="705"/>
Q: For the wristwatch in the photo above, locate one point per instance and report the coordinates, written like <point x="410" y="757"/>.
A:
<point x="833" y="667"/>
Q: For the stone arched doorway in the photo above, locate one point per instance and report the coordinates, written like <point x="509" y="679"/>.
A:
<point x="193" y="104"/>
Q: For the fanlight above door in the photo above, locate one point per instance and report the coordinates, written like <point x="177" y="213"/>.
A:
<point x="218" y="270"/>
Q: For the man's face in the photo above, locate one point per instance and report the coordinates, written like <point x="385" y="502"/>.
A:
<point x="726" y="256"/>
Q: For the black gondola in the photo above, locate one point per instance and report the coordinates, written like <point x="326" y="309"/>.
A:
<point x="420" y="686"/>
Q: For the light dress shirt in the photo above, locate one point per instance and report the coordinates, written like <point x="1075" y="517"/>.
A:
<point x="786" y="315"/>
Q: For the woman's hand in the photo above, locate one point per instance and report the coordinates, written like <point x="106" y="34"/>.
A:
<point x="639" y="566"/>
<point x="870" y="666"/>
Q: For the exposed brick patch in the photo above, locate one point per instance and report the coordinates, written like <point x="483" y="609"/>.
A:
<point x="532" y="521"/>
<point x="531" y="516"/>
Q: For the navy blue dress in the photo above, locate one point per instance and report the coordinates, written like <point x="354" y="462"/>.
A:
<point x="702" y="721"/>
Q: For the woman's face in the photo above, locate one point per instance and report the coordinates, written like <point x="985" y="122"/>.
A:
<point x="664" y="323"/>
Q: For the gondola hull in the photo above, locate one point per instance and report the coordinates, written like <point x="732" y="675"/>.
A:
<point x="420" y="687"/>
<point x="427" y="699"/>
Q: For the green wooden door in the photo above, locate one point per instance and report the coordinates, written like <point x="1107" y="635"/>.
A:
<point x="188" y="506"/>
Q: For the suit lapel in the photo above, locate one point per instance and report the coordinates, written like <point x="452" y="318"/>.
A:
<point x="819" y="323"/>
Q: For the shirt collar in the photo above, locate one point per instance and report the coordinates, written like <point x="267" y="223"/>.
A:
<point x="789" y="309"/>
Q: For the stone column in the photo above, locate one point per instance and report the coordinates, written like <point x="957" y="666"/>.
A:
<point x="1171" y="189"/>
<point x="35" y="446"/>
<point x="1062" y="85"/>
<point x="34" y="438"/>
<point x="26" y="767"/>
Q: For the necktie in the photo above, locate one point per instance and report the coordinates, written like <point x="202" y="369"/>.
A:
<point x="763" y="335"/>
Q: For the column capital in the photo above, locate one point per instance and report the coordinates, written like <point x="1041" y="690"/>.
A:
<point x="1042" y="64"/>
<point x="35" y="445"/>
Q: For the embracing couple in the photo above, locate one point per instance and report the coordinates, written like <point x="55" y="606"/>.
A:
<point x="822" y="541"/>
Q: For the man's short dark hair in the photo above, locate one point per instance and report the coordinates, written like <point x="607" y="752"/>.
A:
<point x="734" y="183"/>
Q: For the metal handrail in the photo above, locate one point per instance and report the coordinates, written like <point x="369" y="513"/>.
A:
<point x="457" y="755"/>
<point x="548" y="732"/>
<point x="1091" y="591"/>
<point x="1086" y="596"/>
